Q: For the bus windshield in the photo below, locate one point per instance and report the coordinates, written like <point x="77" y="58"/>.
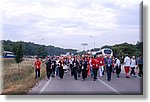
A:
<point x="107" y="51"/>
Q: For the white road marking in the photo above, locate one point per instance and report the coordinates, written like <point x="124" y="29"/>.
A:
<point x="108" y="86"/>
<point x="45" y="86"/>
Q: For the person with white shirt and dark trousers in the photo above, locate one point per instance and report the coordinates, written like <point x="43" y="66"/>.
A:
<point x="133" y="65"/>
<point x="117" y="66"/>
<point x="127" y="65"/>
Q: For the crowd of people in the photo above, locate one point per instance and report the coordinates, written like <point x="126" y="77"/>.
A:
<point x="90" y="66"/>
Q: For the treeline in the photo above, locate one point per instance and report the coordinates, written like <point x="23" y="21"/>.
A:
<point x="132" y="50"/>
<point x="32" y="49"/>
<point x="124" y="48"/>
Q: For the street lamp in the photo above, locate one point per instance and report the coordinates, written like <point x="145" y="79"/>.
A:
<point x="41" y="40"/>
<point x="94" y="40"/>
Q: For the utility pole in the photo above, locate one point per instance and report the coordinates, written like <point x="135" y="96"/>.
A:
<point x="84" y="44"/>
<point x="94" y="40"/>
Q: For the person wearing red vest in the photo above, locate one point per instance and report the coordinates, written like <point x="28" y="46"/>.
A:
<point x="88" y="69"/>
<point x="37" y="64"/>
<point x="95" y="66"/>
<point x="101" y="65"/>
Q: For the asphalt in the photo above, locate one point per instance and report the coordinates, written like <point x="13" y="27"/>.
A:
<point x="70" y="86"/>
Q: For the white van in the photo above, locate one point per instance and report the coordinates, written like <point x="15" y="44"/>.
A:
<point x="104" y="52"/>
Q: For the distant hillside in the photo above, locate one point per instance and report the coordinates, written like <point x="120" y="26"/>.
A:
<point x="30" y="48"/>
<point x="123" y="48"/>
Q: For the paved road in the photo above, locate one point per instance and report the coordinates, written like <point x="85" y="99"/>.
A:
<point x="69" y="85"/>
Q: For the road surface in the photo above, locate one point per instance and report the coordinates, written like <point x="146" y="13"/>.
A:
<point x="69" y="86"/>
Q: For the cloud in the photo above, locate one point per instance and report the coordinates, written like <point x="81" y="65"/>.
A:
<point x="70" y="20"/>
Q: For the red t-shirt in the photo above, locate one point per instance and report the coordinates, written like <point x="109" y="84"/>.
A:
<point x="101" y="61"/>
<point x="37" y="64"/>
<point x="95" y="63"/>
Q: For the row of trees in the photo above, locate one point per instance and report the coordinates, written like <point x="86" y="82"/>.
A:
<point x="124" y="48"/>
<point x="21" y="49"/>
<point x="121" y="49"/>
<point x="31" y="49"/>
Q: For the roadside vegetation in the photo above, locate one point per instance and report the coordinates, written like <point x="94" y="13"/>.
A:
<point x="19" y="81"/>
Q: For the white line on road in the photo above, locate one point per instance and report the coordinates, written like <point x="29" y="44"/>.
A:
<point x="45" y="86"/>
<point x="108" y="86"/>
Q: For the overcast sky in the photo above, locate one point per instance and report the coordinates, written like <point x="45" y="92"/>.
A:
<point x="68" y="23"/>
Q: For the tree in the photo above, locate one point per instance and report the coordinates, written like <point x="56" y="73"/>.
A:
<point x="41" y="52"/>
<point x="18" y="52"/>
<point x="30" y="49"/>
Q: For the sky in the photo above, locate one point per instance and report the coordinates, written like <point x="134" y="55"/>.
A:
<point x="69" y="23"/>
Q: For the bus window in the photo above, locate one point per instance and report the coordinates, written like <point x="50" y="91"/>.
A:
<point x="107" y="51"/>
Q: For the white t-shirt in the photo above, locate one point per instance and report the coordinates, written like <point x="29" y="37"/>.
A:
<point x="117" y="62"/>
<point x="90" y="62"/>
<point x="133" y="63"/>
<point x="126" y="61"/>
<point x="70" y="61"/>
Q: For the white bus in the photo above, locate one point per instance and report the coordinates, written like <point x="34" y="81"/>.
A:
<point x="8" y="54"/>
<point x="104" y="52"/>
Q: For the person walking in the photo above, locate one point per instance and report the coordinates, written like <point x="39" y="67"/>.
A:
<point x="101" y="65"/>
<point x="88" y="66"/>
<point x="127" y="62"/>
<point x="80" y="67"/>
<point x="91" y="70"/>
<point x="53" y="66"/>
<point x="95" y="66"/>
<point x="71" y="65"/>
<point x="61" y="70"/>
<point x="140" y="65"/>
<point x="84" y="68"/>
<point x="133" y="65"/>
<point x="117" y="66"/>
<point x="75" y="66"/>
<point x="108" y="64"/>
<point x="48" y="67"/>
<point x="57" y="66"/>
<point x="37" y="64"/>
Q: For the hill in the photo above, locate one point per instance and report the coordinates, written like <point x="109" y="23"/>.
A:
<point x="31" y="49"/>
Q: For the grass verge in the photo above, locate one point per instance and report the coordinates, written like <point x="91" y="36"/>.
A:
<point x="19" y="81"/>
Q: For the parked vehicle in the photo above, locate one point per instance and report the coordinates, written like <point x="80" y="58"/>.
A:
<point x="104" y="52"/>
<point x="8" y="54"/>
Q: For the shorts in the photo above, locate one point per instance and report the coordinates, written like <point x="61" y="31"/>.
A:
<point x="127" y="69"/>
